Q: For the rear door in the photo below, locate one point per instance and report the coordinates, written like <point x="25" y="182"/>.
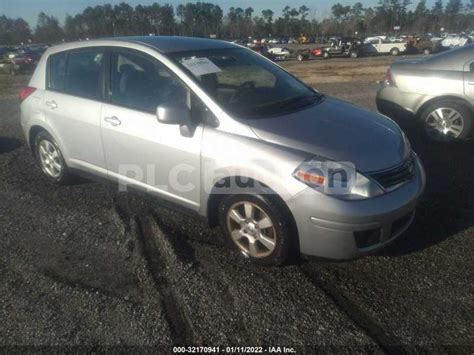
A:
<point x="139" y="150"/>
<point x="72" y="106"/>
<point x="469" y="79"/>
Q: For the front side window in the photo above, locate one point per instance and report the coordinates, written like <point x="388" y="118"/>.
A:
<point x="245" y="84"/>
<point x="83" y="73"/>
<point x="139" y="81"/>
<point x="57" y="71"/>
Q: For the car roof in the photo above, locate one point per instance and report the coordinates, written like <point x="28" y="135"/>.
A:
<point x="170" y="44"/>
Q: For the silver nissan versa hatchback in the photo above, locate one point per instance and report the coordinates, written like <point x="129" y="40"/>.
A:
<point x="223" y="131"/>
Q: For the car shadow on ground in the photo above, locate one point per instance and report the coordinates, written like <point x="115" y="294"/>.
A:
<point x="8" y="144"/>
<point x="447" y="206"/>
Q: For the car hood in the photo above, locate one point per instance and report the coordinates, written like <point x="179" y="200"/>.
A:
<point x="338" y="131"/>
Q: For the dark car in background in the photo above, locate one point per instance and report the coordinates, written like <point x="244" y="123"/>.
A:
<point x="424" y="45"/>
<point x="16" y="64"/>
<point x="340" y="47"/>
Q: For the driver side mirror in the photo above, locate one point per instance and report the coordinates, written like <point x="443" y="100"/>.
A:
<point x="177" y="115"/>
<point x="173" y="114"/>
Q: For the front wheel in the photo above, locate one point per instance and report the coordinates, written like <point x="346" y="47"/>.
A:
<point x="256" y="227"/>
<point x="447" y="121"/>
<point x="299" y="57"/>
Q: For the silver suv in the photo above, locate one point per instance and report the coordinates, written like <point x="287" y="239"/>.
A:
<point x="223" y="131"/>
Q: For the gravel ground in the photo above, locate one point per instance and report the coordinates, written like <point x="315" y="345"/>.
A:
<point x="84" y="265"/>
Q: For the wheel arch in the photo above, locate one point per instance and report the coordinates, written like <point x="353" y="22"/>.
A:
<point x="434" y="100"/>
<point x="215" y="199"/>
<point x="32" y="133"/>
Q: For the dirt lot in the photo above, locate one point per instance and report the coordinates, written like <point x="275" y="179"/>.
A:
<point x="84" y="265"/>
<point x="319" y="71"/>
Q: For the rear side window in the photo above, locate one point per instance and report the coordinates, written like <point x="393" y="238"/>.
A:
<point x="83" y="73"/>
<point x="57" y="71"/>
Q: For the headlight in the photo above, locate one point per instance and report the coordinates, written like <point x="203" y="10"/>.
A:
<point x="338" y="179"/>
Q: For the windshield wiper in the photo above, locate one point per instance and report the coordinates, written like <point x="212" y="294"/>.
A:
<point x="278" y="107"/>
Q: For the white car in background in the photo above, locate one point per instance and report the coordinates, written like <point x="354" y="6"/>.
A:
<point x="377" y="45"/>
<point x="455" y="41"/>
<point x="279" y="52"/>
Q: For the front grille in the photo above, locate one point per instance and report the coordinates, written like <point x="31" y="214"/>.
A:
<point x="394" y="177"/>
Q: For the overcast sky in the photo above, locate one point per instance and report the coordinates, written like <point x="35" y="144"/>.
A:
<point x="29" y="9"/>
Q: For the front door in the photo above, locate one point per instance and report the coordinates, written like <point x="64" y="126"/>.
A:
<point x="139" y="150"/>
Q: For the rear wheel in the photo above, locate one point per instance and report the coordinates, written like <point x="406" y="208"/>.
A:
<point x="326" y="55"/>
<point x="354" y="54"/>
<point x="256" y="227"/>
<point x="394" y="51"/>
<point x="300" y="57"/>
<point x="447" y="121"/>
<point x="427" y="51"/>
<point x="50" y="159"/>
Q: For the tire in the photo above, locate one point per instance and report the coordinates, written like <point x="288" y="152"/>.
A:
<point x="299" y="58"/>
<point x="326" y="55"/>
<point x="427" y="51"/>
<point x="50" y="159"/>
<point x="354" y="55"/>
<point x="447" y="121"/>
<point x="394" y="51"/>
<point x="276" y="245"/>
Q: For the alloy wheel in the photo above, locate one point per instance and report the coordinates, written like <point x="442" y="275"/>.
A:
<point x="50" y="159"/>
<point x="251" y="229"/>
<point x="444" y="124"/>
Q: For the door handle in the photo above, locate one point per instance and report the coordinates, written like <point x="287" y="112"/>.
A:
<point x="114" y="121"/>
<point x="51" y="104"/>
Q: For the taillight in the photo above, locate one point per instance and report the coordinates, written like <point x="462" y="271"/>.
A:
<point x="25" y="92"/>
<point x="389" y="78"/>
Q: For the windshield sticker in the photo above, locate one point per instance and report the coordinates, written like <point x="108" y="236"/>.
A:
<point x="200" y="66"/>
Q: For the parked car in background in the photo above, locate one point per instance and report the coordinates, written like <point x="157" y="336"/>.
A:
<point x="5" y="50"/>
<point x="263" y="50"/>
<point x="454" y="41"/>
<point x="423" y="45"/>
<point x="16" y="65"/>
<point x="280" y="52"/>
<point x="383" y="46"/>
<point x="340" y="47"/>
<point x="280" y="166"/>
<point x="438" y="90"/>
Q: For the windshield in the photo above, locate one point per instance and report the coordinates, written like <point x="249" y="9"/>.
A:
<point x="244" y="84"/>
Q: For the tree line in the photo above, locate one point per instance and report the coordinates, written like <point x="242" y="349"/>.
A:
<point x="207" y="19"/>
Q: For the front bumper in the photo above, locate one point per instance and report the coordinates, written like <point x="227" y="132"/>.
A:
<point x="337" y="229"/>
